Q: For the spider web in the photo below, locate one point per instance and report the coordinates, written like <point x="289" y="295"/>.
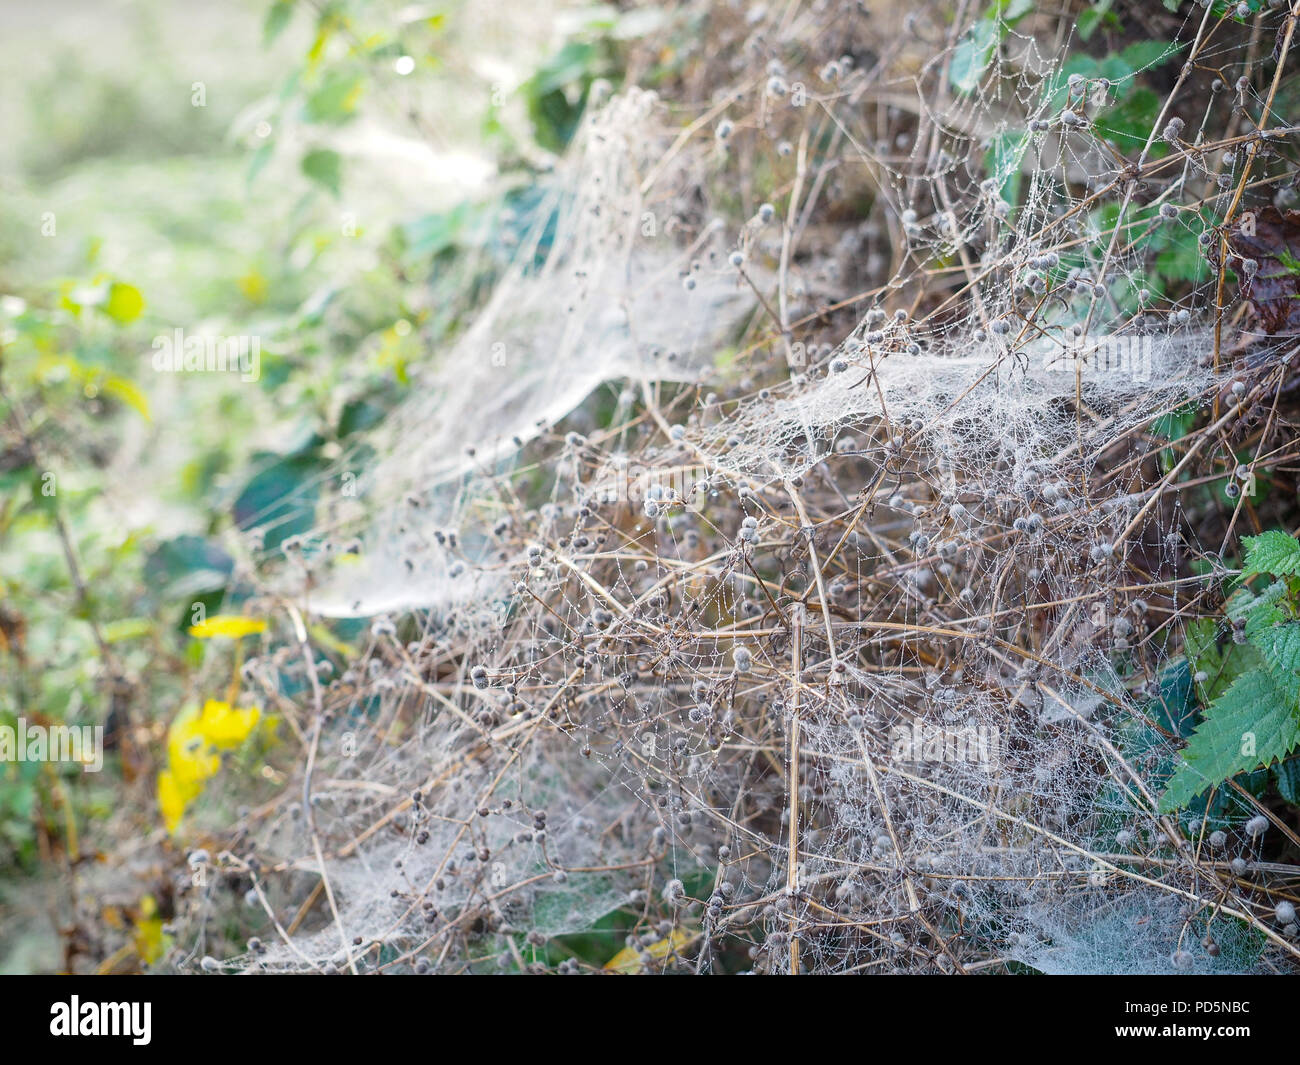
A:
<point x="803" y="591"/>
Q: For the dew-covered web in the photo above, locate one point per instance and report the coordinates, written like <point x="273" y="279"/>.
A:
<point x="783" y="568"/>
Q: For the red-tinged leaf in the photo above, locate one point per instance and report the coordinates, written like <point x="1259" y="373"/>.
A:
<point x="1272" y="239"/>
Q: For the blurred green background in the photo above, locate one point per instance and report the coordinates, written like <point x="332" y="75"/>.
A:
<point x="341" y="181"/>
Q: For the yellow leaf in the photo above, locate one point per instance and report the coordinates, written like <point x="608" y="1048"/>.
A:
<point x="128" y="393"/>
<point x="172" y="801"/>
<point x="225" y="727"/>
<point x="193" y="740"/>
<point x="228" y="625"/>
<point x="68" y="299"/>
<point x="253" y="286"/>
<point x="124" y="303"/>
<point x="628" y="961"/>
<point x="149" y="940"/>
<point x="324" y="32"/>
<point x="188" y="756"/>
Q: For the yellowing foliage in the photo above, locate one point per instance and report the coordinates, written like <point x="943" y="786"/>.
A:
<point x="231" y="626"/>
<point x="628" y="961"/>
<point x="149" y="940"/>
<point x="194" y="741"/>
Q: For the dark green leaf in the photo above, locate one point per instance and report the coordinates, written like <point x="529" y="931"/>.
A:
<point x="1090" y="19"/>
<point x="1254" y="723"/>
<point x="1271" y="552"/>
<point x="277" y="18"/>
<point x="325" y="167"/>
<point x="1286" y="775"/>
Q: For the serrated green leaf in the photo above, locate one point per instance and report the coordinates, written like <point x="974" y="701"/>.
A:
<point x="1280" y="646"/>
<point x="1271" y="552"/>
<point x="1259" y="610"/>
<point x="1254" y="723"/>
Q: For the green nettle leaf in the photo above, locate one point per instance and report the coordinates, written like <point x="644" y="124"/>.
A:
<point x="324" y="167"/>
<point x="1256" y="720"/>
<point x="1280" y="645"/>
<point x="1254" y="723"/>
<point x="1271" y="552"/>
<point x="1261" y="611"/>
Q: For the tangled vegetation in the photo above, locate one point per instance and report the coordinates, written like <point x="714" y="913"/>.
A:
<point x="829" y="509"/>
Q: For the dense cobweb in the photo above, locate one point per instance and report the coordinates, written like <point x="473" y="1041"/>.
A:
<point x="781" y="591"/>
